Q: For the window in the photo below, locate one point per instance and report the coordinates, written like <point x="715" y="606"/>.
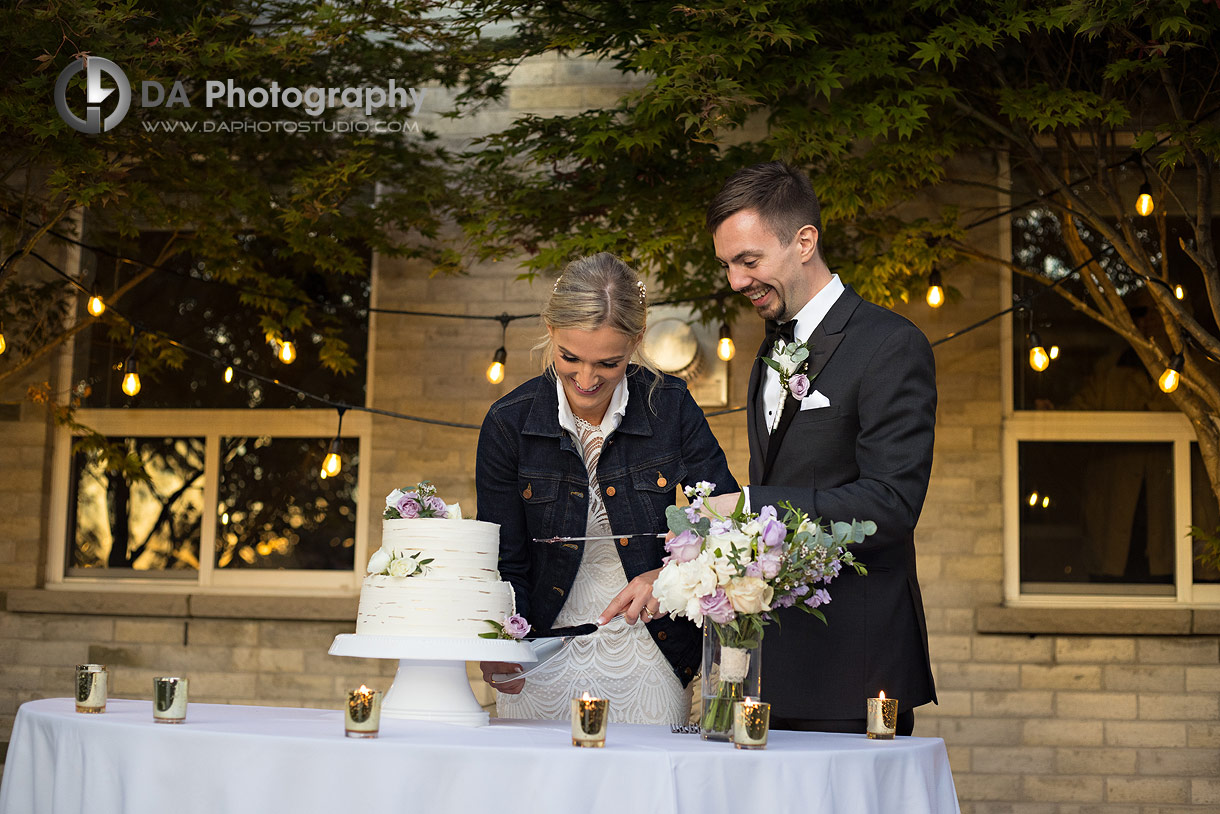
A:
<point x="1103" y="478"/>
<point x="228" y="492"/>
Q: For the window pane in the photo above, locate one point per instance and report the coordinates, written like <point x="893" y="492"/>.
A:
<point x="1096" y="516"/>
<point x="121" y="524"/>
<point x="1204" y="513"/>
<point x="277" y="512"/>
<point x="186" y="302"/>
<point x="1096" y="369"/>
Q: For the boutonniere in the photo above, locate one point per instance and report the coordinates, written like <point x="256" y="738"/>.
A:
<point x="789" y="359"/>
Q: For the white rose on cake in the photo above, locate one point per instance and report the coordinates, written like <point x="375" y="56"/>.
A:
<point x="379" y="562"/>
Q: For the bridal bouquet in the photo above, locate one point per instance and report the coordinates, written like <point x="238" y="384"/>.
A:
<point x="729" y="573"/>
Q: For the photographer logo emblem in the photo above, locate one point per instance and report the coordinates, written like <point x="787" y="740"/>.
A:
<point x="95" y="94"/>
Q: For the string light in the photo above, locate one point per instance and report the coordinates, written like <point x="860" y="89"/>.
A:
<point x="495" y="371"/>
<point x="332" y="464"/>
<point x="725" y="349"/>
<point x="1143" y="202"/>
<point x="1039" y="359"/>
<point x="1178" y="291"/>
<point x="1033" y="499"/>
<point x="131" y="377"/>
<point x="97" y="305"/>
<point x="287" y="352"/>
<point x="936" y="294"/>
<point x="229" y="374"/>
<point x="1173" y="374"/>
<point x="3" y="344"/>
<point x="1053" y="352"/>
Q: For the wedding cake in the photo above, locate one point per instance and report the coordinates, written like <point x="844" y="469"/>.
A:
<point x="435" y="574"/>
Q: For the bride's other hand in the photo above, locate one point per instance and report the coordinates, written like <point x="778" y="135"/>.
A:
<point x="493" y="668"/>
<point x="635" y="601"/>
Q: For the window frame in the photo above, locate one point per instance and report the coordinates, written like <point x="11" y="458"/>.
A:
<point x="212" y="425"/>
<point x="1084" y="425"/>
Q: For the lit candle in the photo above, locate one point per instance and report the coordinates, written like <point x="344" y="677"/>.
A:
<point x="362" y="715"/>
<point x="169" y="700"/>
<point x="91" y="688"/>
<point x="751" y="719"/>
<point x="589" y="721"/>
<point x="882" y="717"/>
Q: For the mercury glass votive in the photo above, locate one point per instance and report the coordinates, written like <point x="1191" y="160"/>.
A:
<point x="751" y="721"/>
<point x="169" y="699"/>
<point x="882" y="717"/>
<point x="91" y="687"/>
<point x="362" y="715"/>
<point x="589" y="717"/>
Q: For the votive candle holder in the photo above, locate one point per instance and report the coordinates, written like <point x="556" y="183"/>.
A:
<point x="882" y="717"/>
<point x="589" y="718"/>
<point x="169" y="699"/>
<point x="751" y="721"/>
<point x="91" y="688"/>
<point x="362" y="715"/>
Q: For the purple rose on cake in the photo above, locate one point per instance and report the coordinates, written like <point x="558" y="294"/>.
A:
<point x="408" y="507"/>
<point x="516" y="626"/>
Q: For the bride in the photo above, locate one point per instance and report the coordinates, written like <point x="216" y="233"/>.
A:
<point x="595" y="447"/>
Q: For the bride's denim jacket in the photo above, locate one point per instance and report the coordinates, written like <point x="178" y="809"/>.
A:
<point x="532" y="480"/>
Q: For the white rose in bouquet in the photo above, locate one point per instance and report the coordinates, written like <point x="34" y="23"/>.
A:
<point x="379" y="562"/>
<point x="750" y="594"/>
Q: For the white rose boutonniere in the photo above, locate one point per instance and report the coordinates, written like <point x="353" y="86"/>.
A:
<point x="789" y="359"/>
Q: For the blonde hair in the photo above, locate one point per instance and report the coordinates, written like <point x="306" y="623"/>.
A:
<point x="594" y="291"/>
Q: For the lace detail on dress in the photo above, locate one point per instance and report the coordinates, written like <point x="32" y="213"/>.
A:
<point x="620" y="662"/>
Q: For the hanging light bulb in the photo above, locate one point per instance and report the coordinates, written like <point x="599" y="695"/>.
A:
<point x="936" y="294"/>
<point x="495" y="371"/>
<point x="1033" y="498"/>
<point x="131" y="377"/>
<point x="1143" y="203"/>
<point x="228" y="374"/>
<point x="333" y="462"/>
<point x="3" y="344"/>
<point x="1173" y="374"/>
<point x="287" y="352"/>
<point x="96" y="306"/>
<point x="1178" y="291"/>
<point x="725" y="349"/>
<point x="1053" y="353"/>
<point x="1039" y="359"/>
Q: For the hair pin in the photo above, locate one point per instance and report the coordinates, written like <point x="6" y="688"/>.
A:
<point x="643" y="291"/>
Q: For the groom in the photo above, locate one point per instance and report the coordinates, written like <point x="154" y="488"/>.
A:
<point x="857" y="446"/>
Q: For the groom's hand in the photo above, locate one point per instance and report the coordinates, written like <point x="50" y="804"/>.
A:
<point x="722" y="505"/>
<point x="492" y="668"/>
<point x="634" y="601"/>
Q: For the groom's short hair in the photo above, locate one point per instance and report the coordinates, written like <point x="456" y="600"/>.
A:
<point x="782" y="196"/>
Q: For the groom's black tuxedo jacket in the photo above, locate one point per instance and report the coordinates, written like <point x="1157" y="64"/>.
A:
<point x="866" y="456"/>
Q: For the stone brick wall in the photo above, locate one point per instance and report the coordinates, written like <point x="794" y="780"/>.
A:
<point x="1060" y="712"/>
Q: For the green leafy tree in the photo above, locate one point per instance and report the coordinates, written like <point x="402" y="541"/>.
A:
<point x="208" y="179"/>
<point x="1082" y="99"/>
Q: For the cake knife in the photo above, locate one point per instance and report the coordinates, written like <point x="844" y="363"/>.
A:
<point x="598" y="537"/>
<point x="548" y="647"/>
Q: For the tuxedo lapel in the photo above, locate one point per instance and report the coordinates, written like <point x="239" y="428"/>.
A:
<point x="822" y="344"/>
<point x="755" y="431"/>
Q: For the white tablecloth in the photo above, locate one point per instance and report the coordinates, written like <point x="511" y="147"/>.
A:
<point x="235" y="759"/>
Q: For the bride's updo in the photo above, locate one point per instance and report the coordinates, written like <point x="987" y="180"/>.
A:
<point x="594" y="291"/>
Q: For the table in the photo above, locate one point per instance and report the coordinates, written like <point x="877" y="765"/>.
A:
<point x="239" y="759"/>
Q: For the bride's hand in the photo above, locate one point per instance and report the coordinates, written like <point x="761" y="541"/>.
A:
<point x="492" y="668"/>
<point x="635" y="601"/>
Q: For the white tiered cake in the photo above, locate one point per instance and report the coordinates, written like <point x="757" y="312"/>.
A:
<point x="453" y="588"/>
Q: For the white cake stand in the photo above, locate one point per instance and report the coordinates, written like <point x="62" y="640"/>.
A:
<point x="431" y="682"/>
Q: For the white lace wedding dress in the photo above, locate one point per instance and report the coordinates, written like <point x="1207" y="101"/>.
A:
<point x="620" y="662"/>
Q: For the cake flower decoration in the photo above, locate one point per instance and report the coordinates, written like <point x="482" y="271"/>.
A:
<point x="513" y="627"/>
<point x="408" y="504"/>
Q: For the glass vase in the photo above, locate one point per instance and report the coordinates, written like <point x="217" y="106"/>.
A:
<point x="730" y="673"/>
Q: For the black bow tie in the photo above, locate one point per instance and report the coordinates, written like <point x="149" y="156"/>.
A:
<point x="777" y="330"/>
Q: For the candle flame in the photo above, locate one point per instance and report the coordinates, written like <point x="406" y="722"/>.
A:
<point x="586" y="696"/>
<point x="882" y="695"/>
<point x="363" y="690"/>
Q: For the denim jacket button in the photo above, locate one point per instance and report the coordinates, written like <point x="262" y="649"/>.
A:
<point x="661" y="480"/>
<point x="529" y="491"/>
<point x="661" y="635"/>
<point x="622" y="541"/>
<point x="609" y="491"/>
